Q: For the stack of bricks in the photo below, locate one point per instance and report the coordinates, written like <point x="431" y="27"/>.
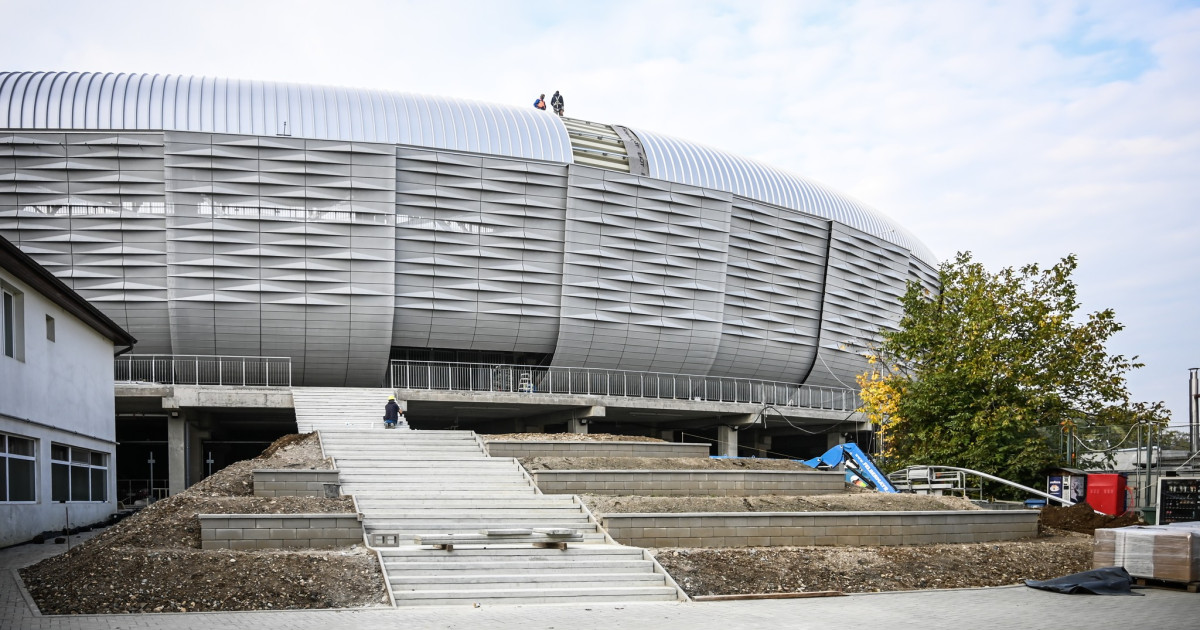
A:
<point x="291" y="482"/>
<point x="277" y="531"/>
<point x="683" y="483"/>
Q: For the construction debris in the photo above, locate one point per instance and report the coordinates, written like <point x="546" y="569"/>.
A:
<point x="152" y="561"/>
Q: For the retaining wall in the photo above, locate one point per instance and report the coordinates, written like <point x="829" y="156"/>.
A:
<point x="809" y="529"/>
<point x="292" y="482"/>
<point x="694" y="483"/>
<point x="276" y="531"/>
<point x="552" y="448"/>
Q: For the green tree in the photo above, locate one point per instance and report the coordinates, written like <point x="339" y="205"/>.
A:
<point x="975" y="370"/>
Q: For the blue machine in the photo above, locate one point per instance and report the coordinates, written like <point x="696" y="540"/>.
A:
<point x="860" y="470"/>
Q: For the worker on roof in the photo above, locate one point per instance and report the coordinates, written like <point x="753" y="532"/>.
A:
<point x="540" y="103"/>
<point x="557" y="103"/>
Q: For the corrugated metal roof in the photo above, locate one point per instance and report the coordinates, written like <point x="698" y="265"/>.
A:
<point x="99" y="101"/>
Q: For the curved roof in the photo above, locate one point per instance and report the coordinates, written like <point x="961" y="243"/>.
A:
<point x="93" y="100"/>
<point x="686" y="162"/>
<point x="102" y="101"/>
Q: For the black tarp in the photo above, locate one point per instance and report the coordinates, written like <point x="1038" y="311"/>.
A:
<point x="1105" y="581"/>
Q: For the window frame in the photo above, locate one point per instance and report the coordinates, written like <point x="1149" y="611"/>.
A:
<point x="12" y="322"/>
<point x="69" y="466"/>
<point x="6" y="457"/>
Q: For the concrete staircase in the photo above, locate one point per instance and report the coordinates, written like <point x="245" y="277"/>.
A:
<point x="410" y="483"/>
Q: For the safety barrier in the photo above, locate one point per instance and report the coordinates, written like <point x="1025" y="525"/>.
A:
<point x="204" y="370"/>
<point x="435" y="375"/>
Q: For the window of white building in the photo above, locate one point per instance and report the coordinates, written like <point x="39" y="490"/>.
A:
<point x="18" y="465"/>
<point x="78" y="474"/>
<point x="12" y="322"/>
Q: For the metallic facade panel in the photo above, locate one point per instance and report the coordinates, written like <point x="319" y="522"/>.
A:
<point x="296" y="262"/>
<point x="479" y="246"/>
<point x="864" y="280"/>
<point x="689" y="163"/>
<point x="97" y="101"/>
<point x="643" y="273"/>
<point x="774" y="283"/>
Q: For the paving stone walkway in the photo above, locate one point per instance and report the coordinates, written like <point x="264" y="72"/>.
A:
<point x="974" y="609"/>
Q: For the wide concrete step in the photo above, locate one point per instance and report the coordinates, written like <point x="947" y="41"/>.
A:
<point x="545" y="501"/>
<point x="413" y="556"/>
<point x="368" y="494"/>
<point x="543" y="596"/>
<point x="442" y="526"/>
<point x="481" y="512"/>
<point x="484" y="581"/>
<point x="373" y="461"/>
<point x="509" y="567"/>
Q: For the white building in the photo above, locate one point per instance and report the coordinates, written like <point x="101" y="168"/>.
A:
<point x="57" y="423"/>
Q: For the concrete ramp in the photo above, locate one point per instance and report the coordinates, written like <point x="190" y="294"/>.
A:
<point x="414" y="484"/>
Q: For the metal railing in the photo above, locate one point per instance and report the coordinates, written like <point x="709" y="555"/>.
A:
<point x="204" y="370"/>
<point x="597" y="382"/>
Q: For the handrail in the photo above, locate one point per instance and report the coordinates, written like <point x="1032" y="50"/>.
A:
<point x="983" y="475"/>
<point x="530" y="379"/>
<point x="200" y="369"/>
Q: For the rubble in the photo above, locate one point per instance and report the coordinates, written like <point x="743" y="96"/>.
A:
<point x="152" y="561"/>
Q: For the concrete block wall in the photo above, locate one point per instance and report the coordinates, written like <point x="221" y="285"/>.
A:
<point x="552" y="448"/>
<point x="808" y="529"/>
<point x="278" y="531"/>
<point x="677" y="483"/>
<point x="293" y="482"/>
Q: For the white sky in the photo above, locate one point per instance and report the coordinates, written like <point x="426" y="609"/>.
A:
<point x="1020" y="131"/>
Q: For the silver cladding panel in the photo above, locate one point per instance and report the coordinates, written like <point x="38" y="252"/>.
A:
<point x="774" y="281"/>
<point x="643" y="273"/>
<point x="479" y="251"/>
<point x="99" y="101"/>
<point x="686" y="162"/>
<point x="282" y="247"/>
<point x="91" y="208"/>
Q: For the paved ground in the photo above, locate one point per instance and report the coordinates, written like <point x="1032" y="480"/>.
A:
<point x="976" y="609"/>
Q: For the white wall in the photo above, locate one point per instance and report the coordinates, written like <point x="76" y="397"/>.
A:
<point x="61" y="392"/>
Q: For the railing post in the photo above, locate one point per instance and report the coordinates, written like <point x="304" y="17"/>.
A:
<point x="243" y="371"/>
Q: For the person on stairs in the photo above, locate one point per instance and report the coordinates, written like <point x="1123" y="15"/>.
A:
<point x="391" y="413"/>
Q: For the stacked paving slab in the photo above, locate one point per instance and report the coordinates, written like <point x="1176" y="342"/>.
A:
<point x="412" y="483"/>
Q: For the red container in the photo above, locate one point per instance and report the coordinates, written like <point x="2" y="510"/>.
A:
<point x="1106" y="493"/>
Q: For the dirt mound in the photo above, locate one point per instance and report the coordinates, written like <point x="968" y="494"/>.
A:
<point x="658" y="463"/>
<point x="872" y="569"/>
<point x="858" y="502"/>
<point x="570" y="437"/>
<point x="1083" y="519"/>
<point x="152" y="561"/>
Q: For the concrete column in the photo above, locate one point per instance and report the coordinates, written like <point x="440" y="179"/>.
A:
<point x="196" y="454"/>
<point x="727" y="441"/>
<point x="668" y="435"/>
<point x="833" y="439"/>
<point x="764" y="445"/>
<point x="176" y="452"/>
<point x="577" y="425"/>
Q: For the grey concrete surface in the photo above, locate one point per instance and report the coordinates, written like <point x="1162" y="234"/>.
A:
<point x="974" y="609"/>
<point x="784" y="529"/>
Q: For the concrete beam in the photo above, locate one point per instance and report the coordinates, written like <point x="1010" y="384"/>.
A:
<point x="566" y="415"/>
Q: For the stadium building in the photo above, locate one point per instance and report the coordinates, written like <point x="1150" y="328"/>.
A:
<point x="347" y="230"/>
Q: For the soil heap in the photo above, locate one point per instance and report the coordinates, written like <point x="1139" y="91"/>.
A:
<point x="152" y="561"/>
